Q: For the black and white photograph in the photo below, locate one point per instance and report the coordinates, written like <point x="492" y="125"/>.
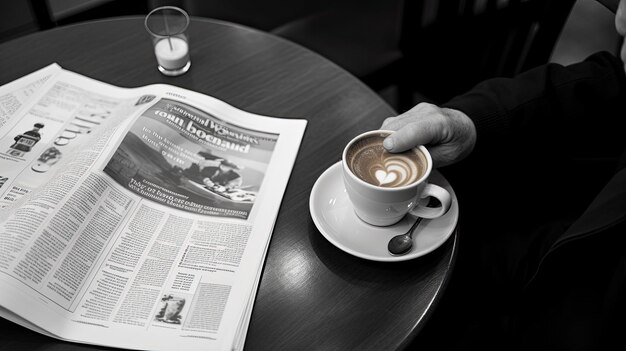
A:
<point x="371" y="175"/>
<point x="170" y="309"/>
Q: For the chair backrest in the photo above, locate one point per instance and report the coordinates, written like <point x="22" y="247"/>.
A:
<point x="450" y="45"/>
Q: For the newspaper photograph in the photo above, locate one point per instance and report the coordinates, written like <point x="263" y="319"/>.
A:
<point x="187" y="159"/>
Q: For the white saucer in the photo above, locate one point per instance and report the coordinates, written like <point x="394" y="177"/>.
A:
<point x="334" y="217"/>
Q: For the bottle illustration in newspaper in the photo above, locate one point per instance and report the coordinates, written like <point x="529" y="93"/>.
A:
<point x="25" y="141"/>
<point x="185" y="158"/>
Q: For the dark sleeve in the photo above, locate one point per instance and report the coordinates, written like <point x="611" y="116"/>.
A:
<point x="585" y="101"/>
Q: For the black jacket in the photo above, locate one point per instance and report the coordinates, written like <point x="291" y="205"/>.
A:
<point x="561" y="134"/>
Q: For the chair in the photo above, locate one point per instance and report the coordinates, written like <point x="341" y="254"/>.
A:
<point x="361" y="36"/>
<point x="449" y="46"/>
<point x="16" y="19"/>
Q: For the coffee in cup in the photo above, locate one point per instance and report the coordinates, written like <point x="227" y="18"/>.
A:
<point x="372" y="163"/>
<point x="383" y="186"/>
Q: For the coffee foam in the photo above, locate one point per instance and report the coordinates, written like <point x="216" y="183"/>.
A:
<point x="371" y="162"/>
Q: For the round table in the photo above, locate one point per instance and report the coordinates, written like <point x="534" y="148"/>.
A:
<point x="311" y="295"/>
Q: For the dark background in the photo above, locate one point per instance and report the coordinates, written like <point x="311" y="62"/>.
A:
<point x="589" y="27"/>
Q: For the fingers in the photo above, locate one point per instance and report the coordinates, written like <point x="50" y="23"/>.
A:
<point x="387" y="122"/>
<point x="417" y="126"/>
<point x="416" y="133"/>
<point x="439" y="156"/>
<point x="449" y="134"/>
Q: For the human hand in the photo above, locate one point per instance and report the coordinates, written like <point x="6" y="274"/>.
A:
<point x="620" y="25"/>
<point x="448" y="134"/>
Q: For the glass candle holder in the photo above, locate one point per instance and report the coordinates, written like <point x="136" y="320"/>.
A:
<point x="167" y="26"/>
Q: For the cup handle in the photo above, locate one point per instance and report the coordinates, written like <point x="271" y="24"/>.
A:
<point x="441" y="194"/>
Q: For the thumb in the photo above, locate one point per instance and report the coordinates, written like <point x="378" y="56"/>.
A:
<point x="410" y="136"/>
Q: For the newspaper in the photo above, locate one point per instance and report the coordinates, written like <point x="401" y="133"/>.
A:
<point x="135" y="218"/>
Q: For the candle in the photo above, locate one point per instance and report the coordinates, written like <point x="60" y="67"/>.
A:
<point x="172" y="56"/>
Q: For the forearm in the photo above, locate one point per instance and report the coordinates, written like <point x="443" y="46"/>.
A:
<point x="550" y="101"/>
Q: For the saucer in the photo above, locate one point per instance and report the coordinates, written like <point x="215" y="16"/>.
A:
<point x="333" y="215"/>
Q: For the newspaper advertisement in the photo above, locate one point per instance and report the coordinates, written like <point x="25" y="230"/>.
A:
<point x="136" y="218"/>
<point x="185" y="159"/>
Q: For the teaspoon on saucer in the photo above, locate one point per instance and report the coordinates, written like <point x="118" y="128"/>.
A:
<point x="402" y="243"/>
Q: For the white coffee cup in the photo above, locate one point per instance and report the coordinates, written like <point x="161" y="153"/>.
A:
<point x="382" y="206"/>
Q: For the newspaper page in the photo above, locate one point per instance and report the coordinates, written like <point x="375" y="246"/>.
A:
<point x="15" y="94"/>
<point x="138" y="218"/>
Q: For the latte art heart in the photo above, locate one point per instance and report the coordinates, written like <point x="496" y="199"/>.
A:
<point x="395" y="170"/>
<point x="385" y="177"/>
<point x="368" y="160"/>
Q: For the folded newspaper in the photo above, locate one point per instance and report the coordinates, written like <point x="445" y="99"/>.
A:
<point x="135" y="218"/>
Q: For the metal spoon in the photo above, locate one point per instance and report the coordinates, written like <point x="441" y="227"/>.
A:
<point x="402" y="243"/>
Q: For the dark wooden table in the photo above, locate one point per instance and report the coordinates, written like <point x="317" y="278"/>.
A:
<point x="311" y="295"/>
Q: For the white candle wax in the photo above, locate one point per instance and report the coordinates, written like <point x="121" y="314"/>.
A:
<point x="174" y="56"/>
